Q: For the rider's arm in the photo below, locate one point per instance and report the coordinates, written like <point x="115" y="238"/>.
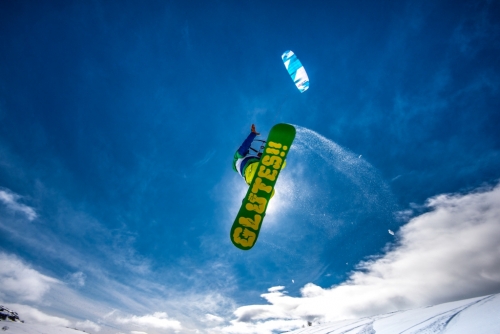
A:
<point x="243" y="150"/>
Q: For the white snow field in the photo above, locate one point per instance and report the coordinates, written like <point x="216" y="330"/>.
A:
<point x="471" y="316"/>
<point x="28" y="328"/>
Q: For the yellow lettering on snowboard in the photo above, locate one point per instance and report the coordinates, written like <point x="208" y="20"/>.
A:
<point x="274" y="160"/>
<point x="248" y="222"/>
<point x="260" y="205"/>
<point x="267" y="173"/>
<point x="259" y="185"/>
<point x="244" y="237"/>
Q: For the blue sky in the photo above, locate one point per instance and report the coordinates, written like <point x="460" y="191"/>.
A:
<point x="119" y="120"/>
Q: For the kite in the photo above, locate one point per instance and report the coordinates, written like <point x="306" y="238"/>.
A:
<point x="296" y="70"/>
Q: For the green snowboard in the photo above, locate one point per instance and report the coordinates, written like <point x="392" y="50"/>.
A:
<point x="246" y="226"/>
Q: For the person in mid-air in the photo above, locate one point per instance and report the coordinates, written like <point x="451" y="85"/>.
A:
<point x="244" y="162"/>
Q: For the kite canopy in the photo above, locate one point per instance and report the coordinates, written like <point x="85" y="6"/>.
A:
<point x="296" y="70"/>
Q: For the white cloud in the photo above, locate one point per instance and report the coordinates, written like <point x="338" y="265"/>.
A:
<point x="156" y="320"/>
<point x="20" y="282"/>
<point x="77" y="279"/>
<point x="11" y="201"/>
<point x="448" y="253"/>
<point x="403" y="215"/>
<point x="137" y="332"/>
<point x="33" y="315"/>
<point x="88" y="325"/>
<point x="213" y="318"/>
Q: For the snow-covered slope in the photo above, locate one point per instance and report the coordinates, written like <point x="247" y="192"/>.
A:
<point x="471" y="316"/>
<point x="25" y="328"/>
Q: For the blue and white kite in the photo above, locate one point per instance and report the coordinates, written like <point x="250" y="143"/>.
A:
<point x="296" y="70"/>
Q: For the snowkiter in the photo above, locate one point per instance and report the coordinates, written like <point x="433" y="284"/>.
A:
<point x="246" y="163"/>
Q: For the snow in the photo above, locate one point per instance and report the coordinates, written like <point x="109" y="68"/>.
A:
<point x="479" y="315"/>
<point x="26" y="328"/>
<point x="476" y="315"/>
